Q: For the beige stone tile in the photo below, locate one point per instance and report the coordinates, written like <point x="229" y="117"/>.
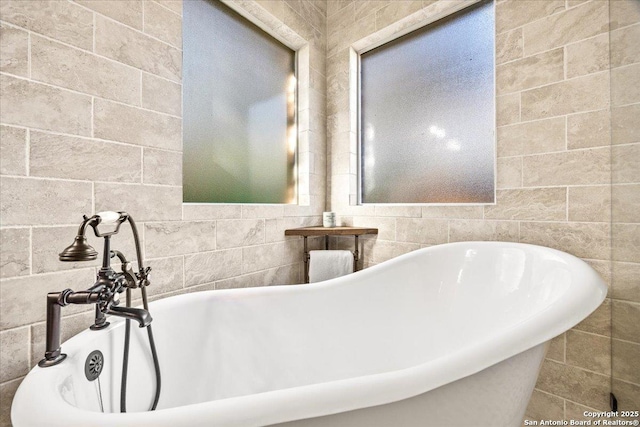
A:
<point x="515" y="13"/>
<point x="587" y="130"/>
<point x="385" y="250"/>
<point x="590" y="204"/>
<point x="367" y="7"/>
<point x="598" y="322"/>
<point x="73" y="24"/>
<point x="350" y="32"/>
<point x="309" y="13"/>
<point x="386" y="226"/>
<point x="395" y="11"/>
<point x="574" y="384"/>
<point x="162" y="167"/>
<point x="337" y="63"/>
<point x="509" y="172"/>
<point x="321" y="5"/>
<point x="540" y="136"/>
<point x="166" y="275"/>
<point x="207" y="267"/>
<point x="398" y="211"/>
<point x="424" y="231"/>
<point x="507" y="109"/>
<point x="625" y="325"/>
<point x="573" y="3"/>
<point x="625" y="87"/>
<point x="509" y="46"/>
<point x="626" y="164"/>
<point x="626" y="203"/>
<point x="262" y="211"/>
<point x="81" y="158"/>
<point x="15" y="254"/>
<point x="585" y="240"/>
<point x="13" y="145"/>
<point x="163" y="24"/>
<point x="130" y="47"/>
<point x="628" y="394"/>
<point x="470" y="230"/>
<point x="45" y="255"/>
<point x="285" y="275"/>
<point x="589" y="351"/>
<point x="30" y="104"/>
<point x="193" y="211"/>
<point x="626" y="361"/>
<point x="566" y="27"/>
<point x="14" y="50"/>
<point x="236" y="233"/>
<point x="457" y="212"/>
<point x="161" y="95"/>
<point x="128" y="12"/>
<point x="588" y="56"/>
<point x="14" y="354"/>
<point x="626" y="281"/>
<point x="20" y="295"/>
<point x="624" y="46"/>
<point x="623" y="13"/>
<point x="52" y="63"/>
<point x="337" y="5"/>
<point x="294" y="21"/>
<point x="557" y="348"/>
<point x="142" y="202"/>
<point x="174" y="5"/>
<point x="179" y="237"/>
<point x="542" y="204"/>
<point x="575" y="411"/>
<point x="7" y="391"/>
<point x="544" y="406"/>
<point x="626" y="242"/>
<point x="532" y="71"/>
<point x="585" y="93"/>
<point x="625" y="127"/>
<point x="27" y="201"/>
<point x="262" y="257"/>
<point x="578" y="167"/>
<point x="122" y="123"/>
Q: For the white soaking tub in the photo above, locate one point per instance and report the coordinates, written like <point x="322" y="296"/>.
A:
<point x="451" y="335"/>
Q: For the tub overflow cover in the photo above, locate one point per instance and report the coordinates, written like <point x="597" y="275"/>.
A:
<point x="93" y="365"/>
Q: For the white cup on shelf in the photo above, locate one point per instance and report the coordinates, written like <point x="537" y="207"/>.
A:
<point x="328" y="219"/>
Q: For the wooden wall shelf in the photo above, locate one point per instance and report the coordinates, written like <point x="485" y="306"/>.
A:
<point x="326" y="232"/>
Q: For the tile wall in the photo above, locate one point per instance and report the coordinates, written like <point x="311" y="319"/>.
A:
<point x="553" y="167"/>
<point x="99" y="85"/>
<point x="625" y="196"/>
<point x="90" y="120"/>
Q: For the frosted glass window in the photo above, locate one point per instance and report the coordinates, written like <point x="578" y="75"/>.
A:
<point x="239" y="106"/>
<point x="427" y="113"/>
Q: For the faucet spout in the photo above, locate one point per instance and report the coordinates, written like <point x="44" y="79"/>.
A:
<point x="138" y="314"/>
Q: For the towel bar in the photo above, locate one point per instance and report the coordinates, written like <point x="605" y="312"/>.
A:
<point x="326" y="232"/>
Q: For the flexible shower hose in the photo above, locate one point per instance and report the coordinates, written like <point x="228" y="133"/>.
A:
<point x="127" y="334"/>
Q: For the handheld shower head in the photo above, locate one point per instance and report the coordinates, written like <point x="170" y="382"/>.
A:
<point x="79" y="250"/>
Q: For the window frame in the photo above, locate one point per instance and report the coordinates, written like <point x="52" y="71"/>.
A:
<point x="388" y="34"/>
<point x="301" y="46"/>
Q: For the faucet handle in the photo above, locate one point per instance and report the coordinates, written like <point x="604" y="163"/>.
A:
<point x="129" y="275"/>
<point x="143" y="277"/>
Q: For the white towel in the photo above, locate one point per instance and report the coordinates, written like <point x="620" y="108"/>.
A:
<point x="325" y="265"/>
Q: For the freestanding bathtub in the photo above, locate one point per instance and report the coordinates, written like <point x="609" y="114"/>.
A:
<point x="451" y="335"/>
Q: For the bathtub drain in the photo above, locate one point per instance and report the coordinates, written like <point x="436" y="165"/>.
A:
<point x="93" y="365"/>
<point x="92" y="370"/>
